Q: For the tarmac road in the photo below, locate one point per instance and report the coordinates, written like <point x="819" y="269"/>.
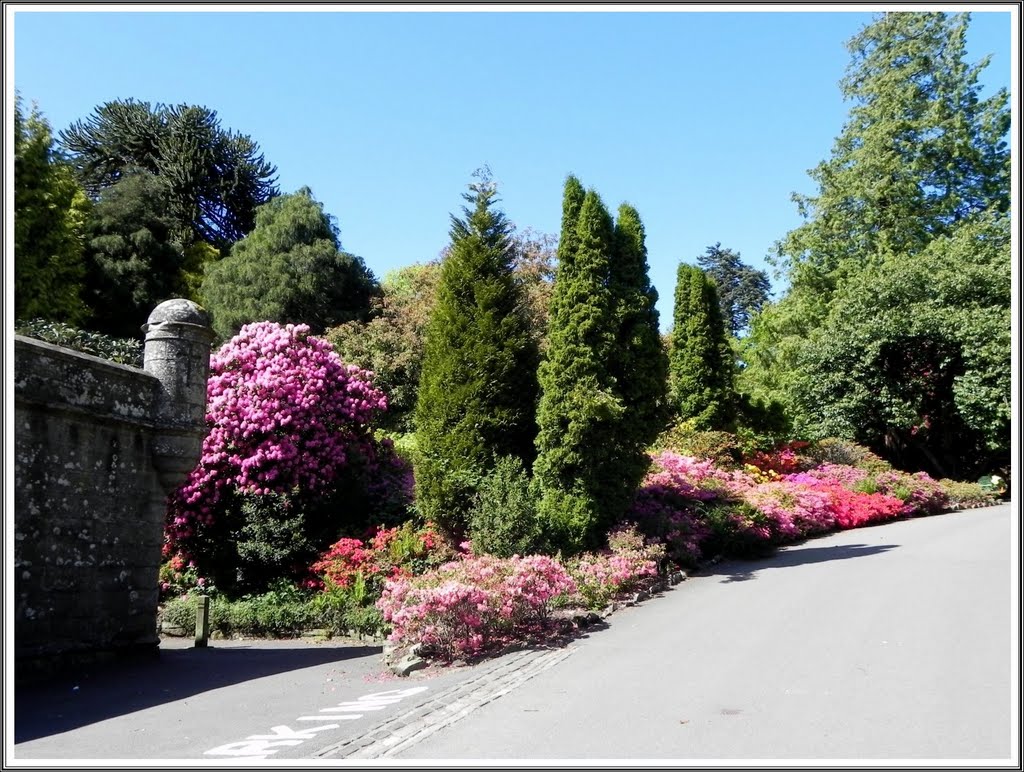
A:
<point x="899" y="641"/>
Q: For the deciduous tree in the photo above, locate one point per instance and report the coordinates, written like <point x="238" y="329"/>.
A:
<point x="50" y="211"/>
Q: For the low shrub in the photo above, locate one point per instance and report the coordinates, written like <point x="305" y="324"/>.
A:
<point x="833" y="450"/>
<point x="125" y="351"/>
<point x="283" y="612"/>
<point x="721" y="448"/>
<point x="465" y="607"/>
<point x="966" y="495"/>
<point x="390" y="553"/>
<point x="178" y="577"/>
<point x="503" y="521"/>
<point x="630" y="562"/>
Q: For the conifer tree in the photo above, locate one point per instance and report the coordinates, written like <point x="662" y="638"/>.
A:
<point x="638" y="361"/>
<point x="579" y="409"/>
<point x="477" y="394"/>
<point x="701" y="367"/>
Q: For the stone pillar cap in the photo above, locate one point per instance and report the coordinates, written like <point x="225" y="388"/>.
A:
<point x="181" y="311"/>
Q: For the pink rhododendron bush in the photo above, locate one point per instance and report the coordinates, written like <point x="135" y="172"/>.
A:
<point x="289" y="463"/>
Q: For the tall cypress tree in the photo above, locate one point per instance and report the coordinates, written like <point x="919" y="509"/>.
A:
<point x="638" y="361"/>
<point x="579" y="409"/>
<point x="478" y="386"/>
<point x="701" y="368"/>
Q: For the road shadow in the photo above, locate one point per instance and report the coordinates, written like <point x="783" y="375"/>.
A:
<point x="745" y="570"/>
<point x="89" y="695"/>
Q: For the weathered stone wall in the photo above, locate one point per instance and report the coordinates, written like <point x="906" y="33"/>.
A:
<point x="98" y="446"/>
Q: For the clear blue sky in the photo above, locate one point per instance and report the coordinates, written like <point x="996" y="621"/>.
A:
<point x="705" y="121"/>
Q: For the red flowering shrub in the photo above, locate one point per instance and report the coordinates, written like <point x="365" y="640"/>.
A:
<point x="783" y="460"/>
<point x="390" y="553"/>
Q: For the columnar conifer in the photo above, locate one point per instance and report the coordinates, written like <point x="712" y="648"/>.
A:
<point x="701" y="368"/>
<point x="478" y="387"/>
<point x="579" y="408"/>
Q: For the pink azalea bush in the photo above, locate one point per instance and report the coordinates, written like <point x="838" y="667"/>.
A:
<point x="630" y="561"/>
<point x="795" y="510"/>
<point x="699" y="510"/>
<point x="466" y="606"/>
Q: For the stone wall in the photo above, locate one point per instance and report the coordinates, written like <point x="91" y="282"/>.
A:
<point x="98" y="446"/>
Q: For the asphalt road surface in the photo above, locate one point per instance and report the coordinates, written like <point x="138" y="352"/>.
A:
<point x="896" y="642"/>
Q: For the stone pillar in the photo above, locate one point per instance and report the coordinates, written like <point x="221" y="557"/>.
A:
<point x="177" y="353"/>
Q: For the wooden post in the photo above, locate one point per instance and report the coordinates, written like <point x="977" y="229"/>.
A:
<point x="202" y="620"/>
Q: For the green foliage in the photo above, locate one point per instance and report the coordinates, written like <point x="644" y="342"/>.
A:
<point x="215" y="178"/>
<point x="834" y="450"/>
<point x="346" y="610"/>
<point x="391" y="342"/>
<point x="133" y="261"/>
<point x="683" y="437"/>
<point x="742" y="290"/>
<point x="289" y="269"/>
<point x="638" y="362"/>
<point x="504" y="519"/>
<point x="477" y="391"/>
<point x="967" y="495"/>
<point x="603" y="378"/>
<point x="579" y="408"/>
<point x="919" y="153"/>
<point x="914" y="358"/>
<point x="895" y="331"/>
<point x="701" y="367"/>
<point x="50" y="211"/>
<point x="125" y="351"/>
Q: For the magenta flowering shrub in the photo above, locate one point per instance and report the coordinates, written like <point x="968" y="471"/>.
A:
<point x="696" y="479"/>
<point x="919" y="493"/>
<point x="289" y="457"/>
<point x="673" y="502"/>
<point x="467" y="606"/>
<point x="840" y="474"/>
<point x="284" y="412"/>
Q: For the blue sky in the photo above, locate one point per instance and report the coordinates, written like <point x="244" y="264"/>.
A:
<point x="705" y="121"/>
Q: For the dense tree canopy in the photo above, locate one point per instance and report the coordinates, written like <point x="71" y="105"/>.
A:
<point x="216" y="178"/>
<point x="478" y="386"/>
<point x="921" y="164"/>
<point x="289" y="269"/>
<point x="914" y="358"/>
<point x="134" y="263"/>
<point x="50" y="211"/>
<point x="600" y="386"/>
<point x="638" y="362"/>
<point x="920" y="152"/>
<point x="391" y="341"/>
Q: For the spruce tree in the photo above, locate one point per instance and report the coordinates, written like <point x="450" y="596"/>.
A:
<point x="701" y="367"/>
<point x="478" y="387"/>
<point x="579" y="409"/>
